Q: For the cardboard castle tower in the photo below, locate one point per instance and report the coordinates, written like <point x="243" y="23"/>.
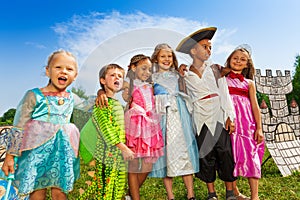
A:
<point x="281" y="124"/>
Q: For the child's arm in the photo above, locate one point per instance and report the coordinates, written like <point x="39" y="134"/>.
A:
<point x="8" y="164"/>
<point x="101" y="99"/>
<point x="127" y="153"/>
<point x="110" y="130"/>
<point x="227" y="105"/>
<point x="259" y="137"/>
<point x="229" y="125"/>
<point x="125" y="93"/>
<point x="22" y="116"/>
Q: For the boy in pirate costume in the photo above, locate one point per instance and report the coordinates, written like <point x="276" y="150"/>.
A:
<point x="212" y="112"/>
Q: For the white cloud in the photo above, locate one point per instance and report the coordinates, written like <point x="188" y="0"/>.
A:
<point x="82" y="34"/>
<point x="98" y="39"/>
<point x="36" y="45"/>
<point x="222" y="43"/>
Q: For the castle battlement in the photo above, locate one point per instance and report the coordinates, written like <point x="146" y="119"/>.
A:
<point x="269" y="84"/>
<point x="281" y="128"/>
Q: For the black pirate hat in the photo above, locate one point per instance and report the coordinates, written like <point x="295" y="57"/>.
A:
<point x="187" y="43"/>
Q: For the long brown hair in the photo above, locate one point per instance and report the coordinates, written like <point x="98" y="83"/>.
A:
<point x="247" y="72"/>
<point x="134" y="61"/>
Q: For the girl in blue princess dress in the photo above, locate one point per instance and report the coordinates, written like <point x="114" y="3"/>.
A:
<point x="181" y="157"/>
<point x="42" y="137"/>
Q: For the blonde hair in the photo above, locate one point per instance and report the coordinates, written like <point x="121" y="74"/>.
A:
<point x="157" y="49"/>
<point x="60" y="51"/>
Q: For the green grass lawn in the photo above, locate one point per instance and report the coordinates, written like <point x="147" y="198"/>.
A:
<point x="272" y="185"/>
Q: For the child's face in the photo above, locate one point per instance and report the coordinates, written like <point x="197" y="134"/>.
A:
<point x="239" y="61"/>
<point x="62" y="71"/>
<point x="143" y="69"/>
<point x="113" y="80"/>
<point x="164" y="60"/>
<point x="202" y="50"/>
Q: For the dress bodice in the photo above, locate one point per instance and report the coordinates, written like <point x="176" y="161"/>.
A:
<point x="166" y="82"/>
<point x="142" y="95"/>
<point x="48" y="108"/>
<point x="39" y="117"/>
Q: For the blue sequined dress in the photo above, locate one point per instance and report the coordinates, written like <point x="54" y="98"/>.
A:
<point x="45" y="142"/>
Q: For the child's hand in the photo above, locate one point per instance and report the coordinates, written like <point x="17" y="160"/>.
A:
<point x="229" y="126"/>
<point x="101" y="99"/>
<point x="258" y="136"/>
<point x="182" y="68"/>
<point x="128" y="154"/>
<point x="8" y="165"/>
<point x="125" y="94"/>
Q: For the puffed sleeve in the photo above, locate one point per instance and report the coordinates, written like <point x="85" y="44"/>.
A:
<point x="22" y="116"/>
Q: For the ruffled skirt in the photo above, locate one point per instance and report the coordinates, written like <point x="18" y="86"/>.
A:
<point x="53" y="164"/>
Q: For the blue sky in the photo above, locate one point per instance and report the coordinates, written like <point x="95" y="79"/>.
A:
<point x="31" y="30"/>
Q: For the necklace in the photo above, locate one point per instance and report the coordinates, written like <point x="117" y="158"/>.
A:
<point x="61" y="101"/>
<point x="60" y="95"/>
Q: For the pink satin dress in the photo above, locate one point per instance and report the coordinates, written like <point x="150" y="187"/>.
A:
<point x="246" y="152"/>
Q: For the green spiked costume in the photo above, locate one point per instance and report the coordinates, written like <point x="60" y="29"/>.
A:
<point x="98" y="140"/>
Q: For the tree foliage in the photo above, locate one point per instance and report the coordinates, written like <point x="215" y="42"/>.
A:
<point x="261" y="96"/>
<point x="80" y="92"/>
<point x="8" y="117"/>
<point x="296" y="82"/>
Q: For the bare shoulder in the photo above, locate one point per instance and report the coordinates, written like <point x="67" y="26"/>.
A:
<point x="251" y="83"/>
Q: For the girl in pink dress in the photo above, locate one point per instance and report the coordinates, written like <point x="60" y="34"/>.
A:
<point x="247" y="139"/>
<point x="142" y="123"/>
